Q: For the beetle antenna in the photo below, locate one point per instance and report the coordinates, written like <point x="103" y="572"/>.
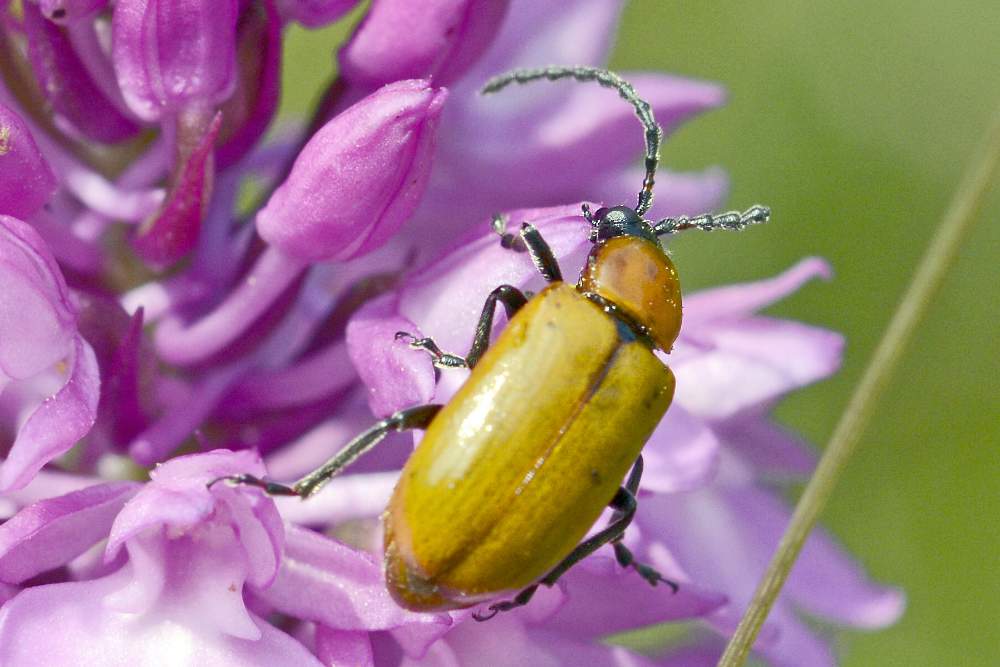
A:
<point x="731" y="221"/>
<point x="609" y="80"/>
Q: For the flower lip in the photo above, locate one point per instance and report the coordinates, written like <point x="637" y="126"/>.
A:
<point x="179" y="496"/>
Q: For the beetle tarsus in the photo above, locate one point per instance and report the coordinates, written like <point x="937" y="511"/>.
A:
<point x="499" y="223"/>
<point x="625" y="558"/>
<point x="270" y="488"/>
<point x="519" y="600"/>
<point x="440" y="359"/>
<point x="529" y="239"/>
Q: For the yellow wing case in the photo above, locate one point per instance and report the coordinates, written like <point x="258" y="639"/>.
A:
<point x="491" y="500"/>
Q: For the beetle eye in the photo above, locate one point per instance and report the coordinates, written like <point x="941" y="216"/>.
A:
<point x="600" y="214"/>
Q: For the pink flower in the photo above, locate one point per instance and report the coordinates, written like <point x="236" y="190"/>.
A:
<point x="181" y="561"/>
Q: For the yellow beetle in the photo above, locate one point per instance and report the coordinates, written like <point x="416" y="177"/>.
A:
<point x="513" y="472"/>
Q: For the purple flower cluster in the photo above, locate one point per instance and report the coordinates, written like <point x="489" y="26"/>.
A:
<point x="152" y="319"/>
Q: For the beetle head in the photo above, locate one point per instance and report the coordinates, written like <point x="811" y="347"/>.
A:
<point x="608" y="223"/>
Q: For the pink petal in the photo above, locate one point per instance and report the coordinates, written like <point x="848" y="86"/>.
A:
<point x="446" y="298"/>
<point x="42" y="331"/>
<point x="56" y="425"/>
<point x="359" y="177"/>
<point x="172" y="53"/>
<point x="343" y="648"/>
<point x="324" y="581"/>
<point x="72" y="624"/>
<point x="26" y="181"/>
<point x="604" y="599"/>
<point x="746" y="363"/>
<point x="52" y="532"/>
<point x="178" y="495"/>
<point x="677" y="193"/>
<point x="539" y="33"/>
<point x="435" y="39"/>
<point x="682" y="453"/>
<point x="772" y="450"/>
<point x="70" y="11"/>
<point x="735" y="301"/>
<point x="260" y="530"/>
<point x="825" y="581"/>
<point x="354" y="496"/>
<point x="250" y="110"/>
<point x="67" y="84"/>
<point x="396" y="375"/>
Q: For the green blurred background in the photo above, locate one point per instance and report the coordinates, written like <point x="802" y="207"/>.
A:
<point x="854" y="120"/>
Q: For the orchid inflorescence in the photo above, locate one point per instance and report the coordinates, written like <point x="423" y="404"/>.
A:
<point x="152" y="320"/>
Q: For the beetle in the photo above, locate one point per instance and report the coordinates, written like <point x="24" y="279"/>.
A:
<point x="516" y="468"/>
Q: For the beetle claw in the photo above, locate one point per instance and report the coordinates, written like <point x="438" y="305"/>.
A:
<point x="653" y="577"/>
<point x="494" y="610"/>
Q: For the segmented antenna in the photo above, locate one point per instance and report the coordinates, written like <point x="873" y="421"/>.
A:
<point x="609" y="80"/>
<point x="731" y="221"/>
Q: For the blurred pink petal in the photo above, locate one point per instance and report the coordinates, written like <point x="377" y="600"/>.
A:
<point x="435" y="39"/>
<point x="748" y="362"/>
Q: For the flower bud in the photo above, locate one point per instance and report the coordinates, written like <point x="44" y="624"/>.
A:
<point x="359" y="178"/>
<point x="26" y="182"/>
<point x="401" y="39"/>
<point x="172" y="53"/>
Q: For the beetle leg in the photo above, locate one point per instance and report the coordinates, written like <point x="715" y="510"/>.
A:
<point x="404" y="420"/>
<point x="531" y="240"/>
<point x="541" y="254"/>
<point x="624" y="504"/>
<point x="512" y="299"/>
<point x="509" y="241"/>
<point x="441" y="359"/>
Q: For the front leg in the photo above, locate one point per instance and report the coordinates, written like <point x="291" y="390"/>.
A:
<point x="531" y="240"/>
<point x="440" y="359"/>
<point x="511" y="298"/>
